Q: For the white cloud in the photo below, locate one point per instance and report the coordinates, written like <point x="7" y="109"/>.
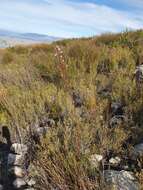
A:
<point x="64" y="18"/>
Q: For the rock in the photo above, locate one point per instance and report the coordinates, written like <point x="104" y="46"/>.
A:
<point x="115" y="161"/>
<point x="126" y="167"/>
<point x="31" y="182"/>
<point x="138" y="150"/>
<point x="117" y="108"/>
<point x="117" y="120"/>
<point x="19" y="148"/>
<point x="19" y="183"/>
<point x="17" y="171"/>
<point x="140" y="67"/>
<point x="121" y="180"/>
<point x="1" y="187"/>
<point x="139" y="72"/>
<point x="15" y="159"/>
<point x="95" y="160"/>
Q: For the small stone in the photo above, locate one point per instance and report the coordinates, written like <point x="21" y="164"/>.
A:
<point x="19" y="183"/>
<point x="117" y="120"/>
<point x="1" y="187"/>
<point x="17" y="171"/>
<point x="139" y="70"/>
<point x="15" y="159"/>
<point x="115" y="161"/>
<point x="138" y="150"/>
<point x="126" y="167"/>
<point x="117" y="108"/>
<point x="19" y="148"/>
<point x="95" y="160"/>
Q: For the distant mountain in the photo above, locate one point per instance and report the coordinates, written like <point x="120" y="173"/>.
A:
<point x="9" y="38"/>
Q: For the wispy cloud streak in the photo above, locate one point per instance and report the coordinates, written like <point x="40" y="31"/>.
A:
<point x="66" y="18"/>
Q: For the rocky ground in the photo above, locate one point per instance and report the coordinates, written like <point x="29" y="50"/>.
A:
<point x="117" y="171"/>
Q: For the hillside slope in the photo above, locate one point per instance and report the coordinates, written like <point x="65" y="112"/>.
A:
<point x="8" y="38"/>
<point x="78" y="106"/>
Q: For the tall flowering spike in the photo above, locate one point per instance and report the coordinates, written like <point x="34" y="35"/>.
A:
<point x="59" y="55"/>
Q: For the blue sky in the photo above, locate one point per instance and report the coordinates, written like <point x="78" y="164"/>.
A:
<point x="71" y="18"/>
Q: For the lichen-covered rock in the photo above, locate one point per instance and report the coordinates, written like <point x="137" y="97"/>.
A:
<point x="19" y="148"/>
<point x="121" y="180"/>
